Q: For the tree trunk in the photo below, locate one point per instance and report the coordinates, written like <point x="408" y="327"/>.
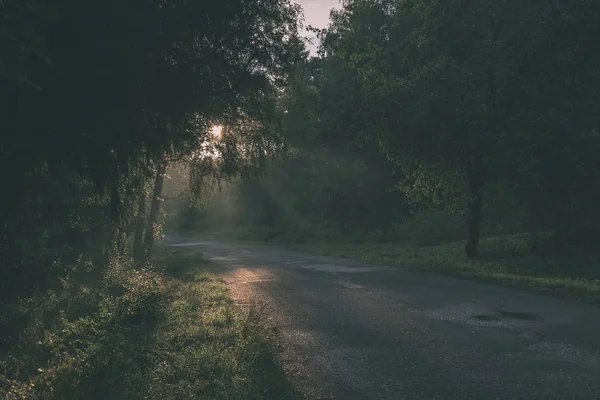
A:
<point x="138" y="240"/>
<point x="474" y="209"/>
<point x="122" y="241"/>
<point x="111" y="251"/>
<point x="154" y="209"/>
<point x="110" y="243"/>
<point x="475" y="175"/>
<point x="533" y="239"/>
<point x="561" y="227"/>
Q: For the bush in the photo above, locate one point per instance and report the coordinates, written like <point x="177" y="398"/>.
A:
<point x="82" y="341"/>
<point x="139" y="333"/>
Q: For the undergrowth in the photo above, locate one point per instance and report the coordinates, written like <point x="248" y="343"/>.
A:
<point x="152" y="333"/>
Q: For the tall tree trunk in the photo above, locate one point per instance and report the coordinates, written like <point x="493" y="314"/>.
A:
<point x="138" y="240"/>
<point x="561" y="223"/>
<point x="111" y="242"/>
<point x="532" y="230"/>
<point x="154" y="209"/>
<point x="475" y="174"/>
<point x="474" y="209"/>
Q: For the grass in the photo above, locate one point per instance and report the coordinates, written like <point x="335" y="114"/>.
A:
<point x="503" y="259"/>
<point x="155" y="333"/>
<point x="209" y="348"/>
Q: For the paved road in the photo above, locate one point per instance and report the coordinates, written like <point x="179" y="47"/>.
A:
<point x="350" y="330"/>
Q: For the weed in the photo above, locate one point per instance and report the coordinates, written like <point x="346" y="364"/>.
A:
<point x="140" y="334"/>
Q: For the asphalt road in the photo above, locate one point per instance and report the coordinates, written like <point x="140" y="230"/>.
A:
<point x="350" y="330"/>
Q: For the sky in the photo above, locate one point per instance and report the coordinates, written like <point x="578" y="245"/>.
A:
<point x="316" y="13"/>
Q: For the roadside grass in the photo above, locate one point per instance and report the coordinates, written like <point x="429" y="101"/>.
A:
<point x="503" y="259"/>
<point x="209" y="349"/>
<point x="152" y="333"/>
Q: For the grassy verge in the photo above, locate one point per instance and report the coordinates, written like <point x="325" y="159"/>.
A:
<point x="208" y="348"/>
<point x="139" y="334"/>
<point x="503" y="260"/>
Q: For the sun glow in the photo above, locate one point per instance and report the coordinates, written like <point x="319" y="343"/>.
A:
<point x="217" y="130"/>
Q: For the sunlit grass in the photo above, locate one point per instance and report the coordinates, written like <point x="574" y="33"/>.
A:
<point x="209" y="349"/>
<point x="141" y="334"/>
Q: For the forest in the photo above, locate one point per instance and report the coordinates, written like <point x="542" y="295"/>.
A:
<point x="451" y="132"/>
<point x="424" y="128"/>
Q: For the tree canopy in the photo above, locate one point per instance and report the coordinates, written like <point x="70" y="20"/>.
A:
<point x="497" y="93"/>
<point x="102" y="94"/>
<point x="409" y="105"/>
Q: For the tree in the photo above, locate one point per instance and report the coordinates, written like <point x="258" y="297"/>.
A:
<point x="101" y="92"/>
<point x="445" y="90"/>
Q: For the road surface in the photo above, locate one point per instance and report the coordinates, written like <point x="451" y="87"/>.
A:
<point x="349" y="330"/>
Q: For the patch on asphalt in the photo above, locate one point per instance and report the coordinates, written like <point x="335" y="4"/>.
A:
<point x="347" y="285"/>
<point x="486" y="317"/>
<point x="475" y="314"/>
<point x="499" y="315"/>
<point x="517" y="315"/>
<point x="338" y="268"/>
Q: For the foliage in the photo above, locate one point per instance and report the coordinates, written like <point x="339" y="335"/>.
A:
<point x="477" y="110"/>
<point x="414" y="114"/>
<point x="312" y="180"/>
<point x="473" y="95"/>
<point x="57" y="232"/>
<point x="100" y="95"/>
<point x="141" y="334"/>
